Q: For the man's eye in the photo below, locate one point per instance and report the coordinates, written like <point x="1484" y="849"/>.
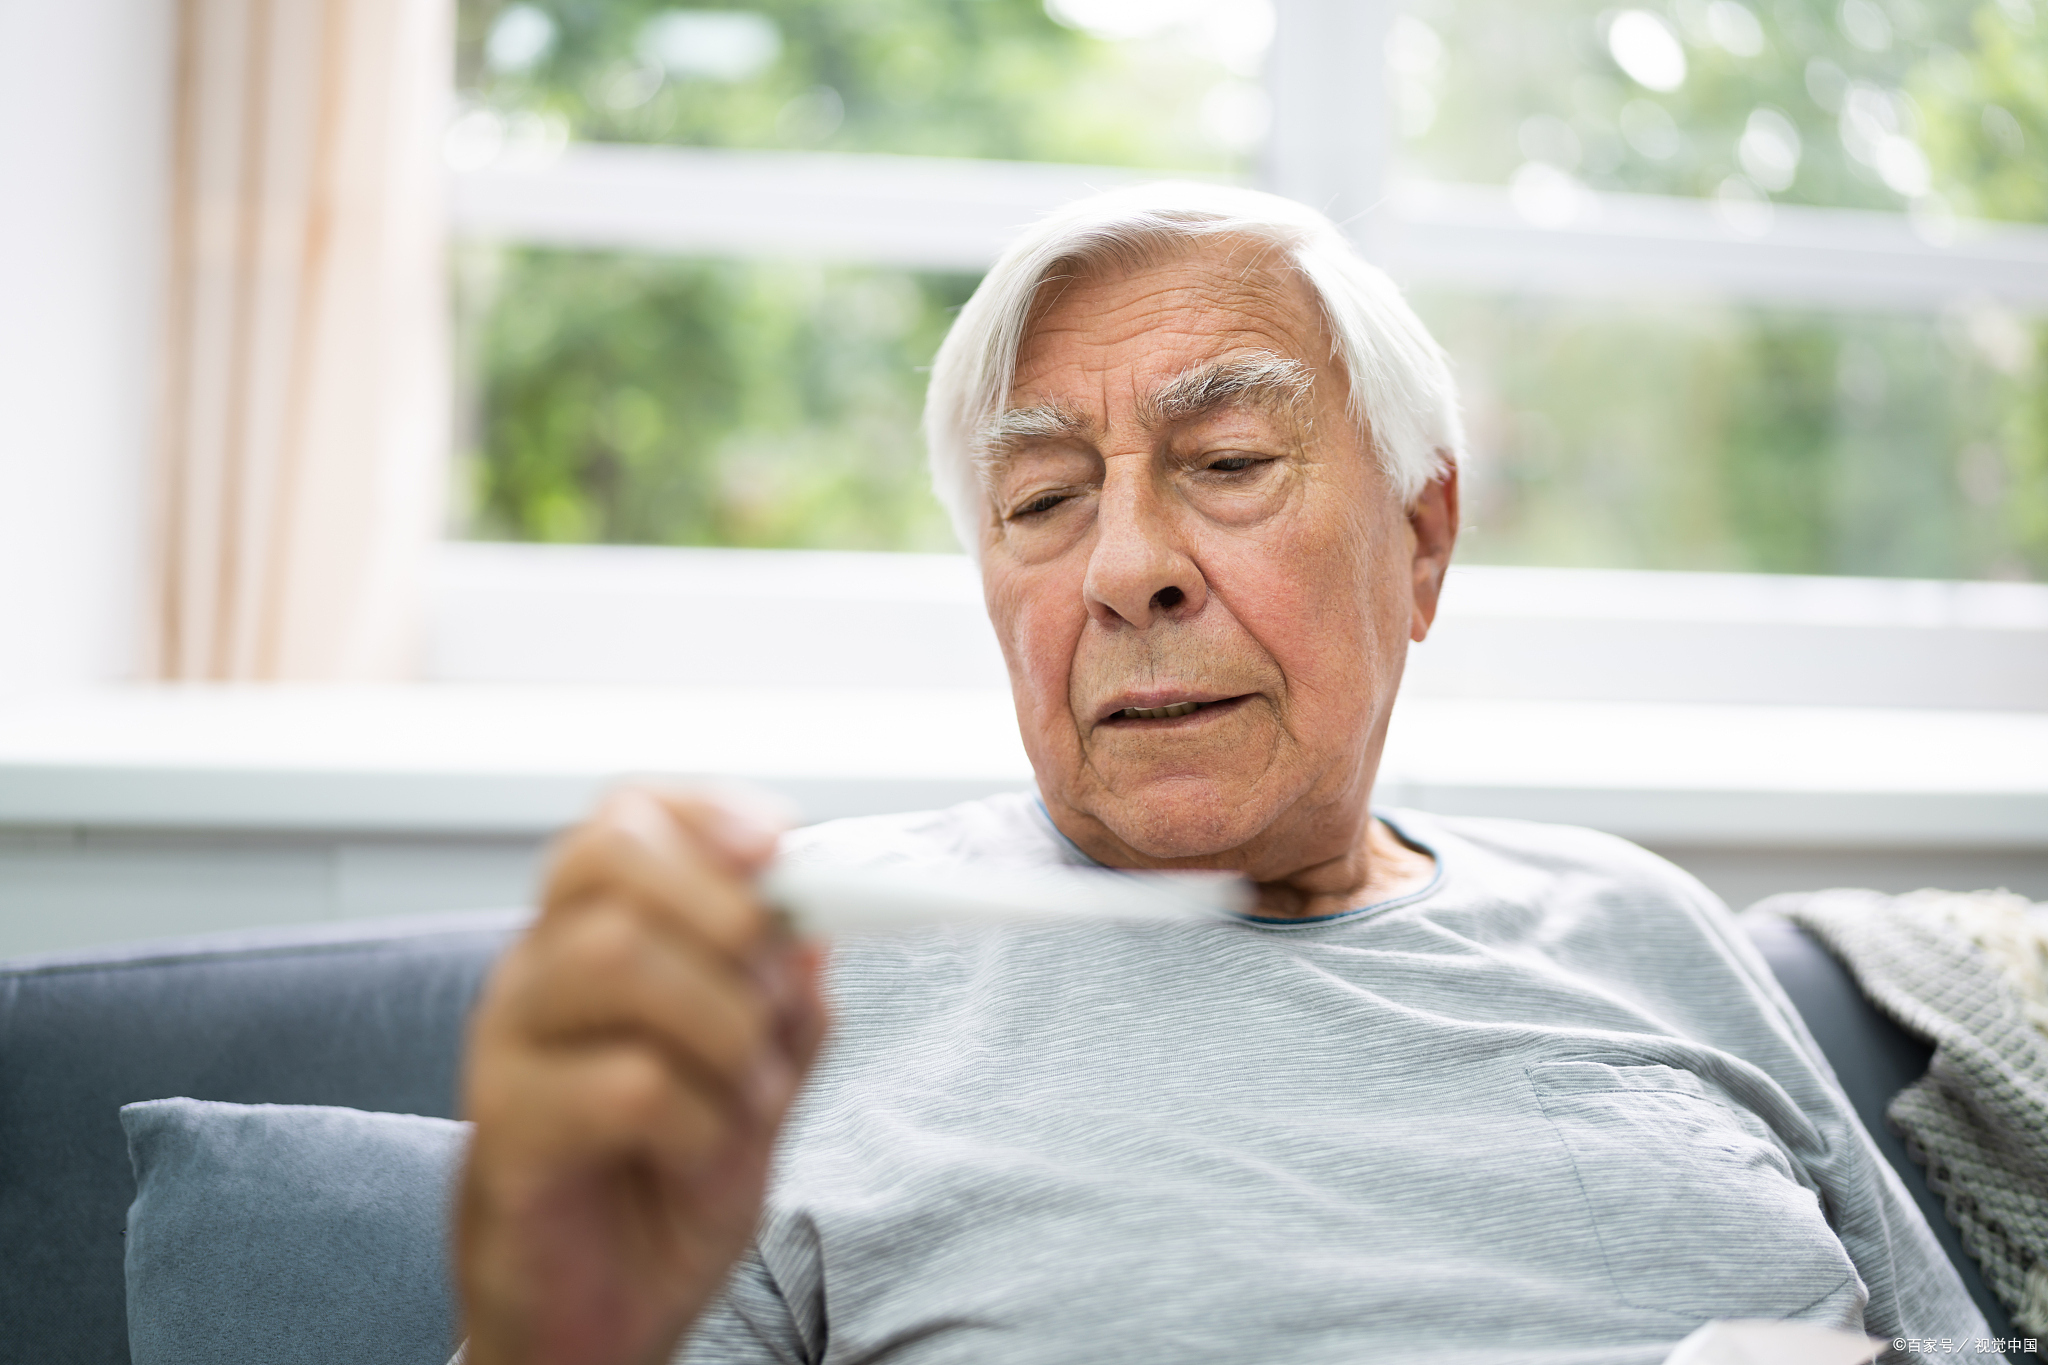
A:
<point x="1235" y="464"/>
<point x="1039" y="505"/>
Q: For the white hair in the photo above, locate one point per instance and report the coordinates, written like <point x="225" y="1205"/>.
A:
<point x="1401" y="399"/>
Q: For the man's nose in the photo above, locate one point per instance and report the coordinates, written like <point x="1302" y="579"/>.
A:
<point x="1139" y="569"/>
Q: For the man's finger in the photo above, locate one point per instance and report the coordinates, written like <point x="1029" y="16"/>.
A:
<point x="635" y="850"/>
<point x="605" y="971"/>
<point x="592" y="1104"/>
<point x="741" y="823"/>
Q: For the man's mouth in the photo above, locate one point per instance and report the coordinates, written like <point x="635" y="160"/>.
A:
<point x="1171" y="710"/>
<point x="1179" y="708"/>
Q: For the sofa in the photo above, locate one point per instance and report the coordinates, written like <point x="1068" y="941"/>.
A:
<point x="370" y="1016"/>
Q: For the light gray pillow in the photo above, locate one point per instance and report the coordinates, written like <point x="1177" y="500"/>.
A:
<point x="274" y="1233"/>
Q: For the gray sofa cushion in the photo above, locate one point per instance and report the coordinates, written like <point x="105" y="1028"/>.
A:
<point x="367" y="1016"/>
<point x="281" y="1234"/>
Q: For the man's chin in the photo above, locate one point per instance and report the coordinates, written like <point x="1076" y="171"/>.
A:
<point x="1184" y="822"/>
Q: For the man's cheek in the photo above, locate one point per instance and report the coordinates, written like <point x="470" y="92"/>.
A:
<point x="1039" y="635"/>
<point x="1282" y="605"/>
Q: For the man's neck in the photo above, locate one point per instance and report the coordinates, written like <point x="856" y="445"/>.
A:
<point x="1379" y="868"/>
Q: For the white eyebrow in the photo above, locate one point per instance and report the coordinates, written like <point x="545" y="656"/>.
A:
<point x="1258" y="378"/>
<point x="1002" y="435"/>
<point x="1049" y="422"/>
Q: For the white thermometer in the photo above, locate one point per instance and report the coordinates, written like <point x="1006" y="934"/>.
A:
<point x="828" y="901"/>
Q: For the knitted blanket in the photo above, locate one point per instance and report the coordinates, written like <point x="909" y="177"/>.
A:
<point x="1969" y="974"/>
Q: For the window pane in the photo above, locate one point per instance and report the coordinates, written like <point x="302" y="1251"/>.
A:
<point x="1721" y="437"/>
<point x="666" y="401"/>
<point x="1879" y="104"/>
<point x="1160" y="83"/>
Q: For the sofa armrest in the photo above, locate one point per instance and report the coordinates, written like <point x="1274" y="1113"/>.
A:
<point x="367" y="1016"/>
<point x="1874" y="1059"/>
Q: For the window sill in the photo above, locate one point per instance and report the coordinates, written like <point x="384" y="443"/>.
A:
<point x="523" y="761"/>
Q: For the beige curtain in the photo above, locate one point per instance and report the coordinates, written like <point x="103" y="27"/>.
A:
<point x="303" y="453"/>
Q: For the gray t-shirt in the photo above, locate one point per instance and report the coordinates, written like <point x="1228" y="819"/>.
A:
<point x="1551" y="1107"/>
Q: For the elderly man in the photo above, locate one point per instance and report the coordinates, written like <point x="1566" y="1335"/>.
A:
<point x="1459" y="1090"/>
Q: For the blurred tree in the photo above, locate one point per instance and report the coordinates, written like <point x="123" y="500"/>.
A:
<point x="1707" y="436"/>
<point x="1847" y="103"/>
<point x="1987" y="114"/>
<point x="1987" y="135"/>
<point x="976" y="78"/>
<point x="652" y="400"/>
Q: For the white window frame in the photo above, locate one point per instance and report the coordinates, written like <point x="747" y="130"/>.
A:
<point x="937" y="213"/>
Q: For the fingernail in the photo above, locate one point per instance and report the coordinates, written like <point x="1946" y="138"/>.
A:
<point x="747" y="818"/>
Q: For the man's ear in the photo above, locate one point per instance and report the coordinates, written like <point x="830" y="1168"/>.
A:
<point x="1434" y="521"/>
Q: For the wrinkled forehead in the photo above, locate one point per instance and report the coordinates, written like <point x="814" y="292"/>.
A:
<point x="1237" y="291"/>
<point x="1179" y="336"/>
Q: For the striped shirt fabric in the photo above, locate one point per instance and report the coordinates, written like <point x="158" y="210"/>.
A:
<point x="1550" y="1108"/>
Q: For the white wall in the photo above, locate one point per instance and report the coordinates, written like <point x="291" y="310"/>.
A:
<point x="85" y="88"/>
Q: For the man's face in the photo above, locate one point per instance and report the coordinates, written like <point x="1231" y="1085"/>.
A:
<point x="1201" y="581"/>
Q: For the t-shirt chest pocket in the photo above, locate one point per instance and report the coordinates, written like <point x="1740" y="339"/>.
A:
<point x="1698" y="1209"/>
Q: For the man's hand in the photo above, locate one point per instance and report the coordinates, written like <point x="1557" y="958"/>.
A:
<point x="628" y="1068"/>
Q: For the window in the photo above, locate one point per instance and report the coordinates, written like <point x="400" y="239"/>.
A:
<point x="1729" y="286"/>
<point x="1726" y="386"/>
<point x="1878" y="104"/>
<point x="1710" y="434"/>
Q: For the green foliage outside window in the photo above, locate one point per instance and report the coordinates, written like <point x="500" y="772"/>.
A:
<point x="1882" y="104"/>
<point x="653" y="400"/>
<point x="971" y="78"/>
<point x="1987" y="114"/>
<point x="1718" y="438"/>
